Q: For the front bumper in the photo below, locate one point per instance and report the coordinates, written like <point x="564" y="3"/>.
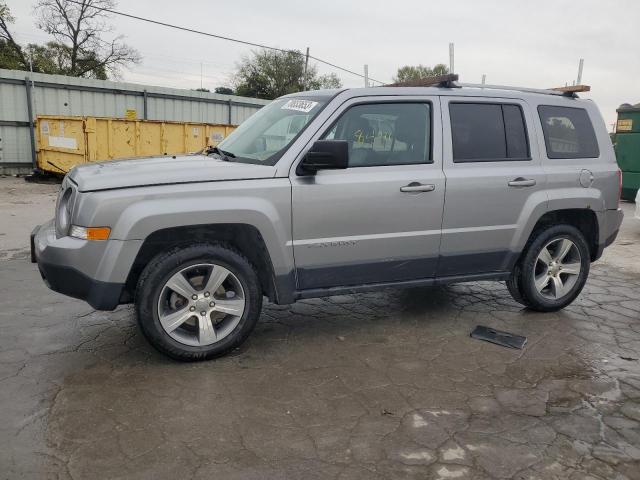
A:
<point x="60" y="259"/>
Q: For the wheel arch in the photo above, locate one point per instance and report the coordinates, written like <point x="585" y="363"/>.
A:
<point x="244" y="238"/>
<point x="584" y="219"/>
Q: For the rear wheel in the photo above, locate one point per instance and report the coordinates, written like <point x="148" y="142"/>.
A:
<point x="554" y="269"/>
<point x="198" y="302"/>
<point x="514" y="288"/>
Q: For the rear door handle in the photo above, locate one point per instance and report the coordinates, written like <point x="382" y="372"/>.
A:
<point x="522" y="182"/>
<point x="418" y="187"/>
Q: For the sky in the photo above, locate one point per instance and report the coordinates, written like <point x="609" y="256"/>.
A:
<point x="513" y="42"/>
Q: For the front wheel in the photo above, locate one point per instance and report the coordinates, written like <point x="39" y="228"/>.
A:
<point x="554" y="268"/>
<point x="198" y="302"/>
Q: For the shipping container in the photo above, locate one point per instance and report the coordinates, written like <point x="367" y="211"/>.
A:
<point x="64" y="142"/>
<point x="627" y="145"/>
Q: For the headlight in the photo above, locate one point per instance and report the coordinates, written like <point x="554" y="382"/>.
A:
<point x="63" y="212"/>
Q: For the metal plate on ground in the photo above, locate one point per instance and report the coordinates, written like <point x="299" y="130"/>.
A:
<point x="499" y="337"/>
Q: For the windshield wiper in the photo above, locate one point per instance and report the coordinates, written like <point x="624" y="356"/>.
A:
<point x="224" y="155"/>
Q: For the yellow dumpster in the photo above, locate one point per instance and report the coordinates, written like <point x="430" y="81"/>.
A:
<point x="64" y="142"/>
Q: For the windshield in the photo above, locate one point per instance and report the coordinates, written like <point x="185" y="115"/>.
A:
<point x="264" y="136"/>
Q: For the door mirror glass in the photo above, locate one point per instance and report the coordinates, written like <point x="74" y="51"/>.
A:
<point x="325" y="155"/>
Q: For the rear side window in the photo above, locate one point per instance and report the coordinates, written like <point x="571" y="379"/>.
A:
<point x="568" y="132"/>
<point x="487" y="132"/>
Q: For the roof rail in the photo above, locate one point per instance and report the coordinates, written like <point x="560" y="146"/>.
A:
<point x="569" y="91"/>
<point x="444" y="81"/>
<point x="451" y="81"/>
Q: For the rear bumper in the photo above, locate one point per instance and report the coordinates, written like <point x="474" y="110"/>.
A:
<point x="609" y="228"/>
<point x="62" y="277"/>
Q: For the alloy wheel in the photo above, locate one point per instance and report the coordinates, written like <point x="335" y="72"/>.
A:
<point x="201" y="304"/>
<point x="557" y="268"/>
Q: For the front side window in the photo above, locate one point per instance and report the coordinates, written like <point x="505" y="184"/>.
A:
<point x="385" y="134"/>
<point x="264" y="136"/>
<point x="487" y="132"/>
<point x="568" y="132"/>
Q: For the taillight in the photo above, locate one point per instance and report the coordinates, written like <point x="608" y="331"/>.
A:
<point x="619" y="186"/>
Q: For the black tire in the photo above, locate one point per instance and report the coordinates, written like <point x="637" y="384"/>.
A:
<point x="514" y="288"/>
<point x="525" y="272"/>
<point x="163" y="266"/>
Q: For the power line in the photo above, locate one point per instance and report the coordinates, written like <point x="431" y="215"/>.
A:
<point x="344" y="69"/>
<point x="221" y="37"/>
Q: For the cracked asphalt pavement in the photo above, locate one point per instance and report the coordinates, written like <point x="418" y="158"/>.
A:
<point x="370" y="386"/>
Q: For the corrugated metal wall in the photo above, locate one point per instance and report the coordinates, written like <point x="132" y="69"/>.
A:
<point x="60" y="95"/>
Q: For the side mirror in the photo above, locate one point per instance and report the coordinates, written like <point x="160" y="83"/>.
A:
<point x="325" y="155"/>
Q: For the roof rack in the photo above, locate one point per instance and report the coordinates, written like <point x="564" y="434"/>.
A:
<point x="442" y="81"/>
<point x="451" y="81"/>
<point x="570" y="91"/>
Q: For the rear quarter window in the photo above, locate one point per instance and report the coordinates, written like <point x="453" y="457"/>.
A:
<point x="568" y="132"/>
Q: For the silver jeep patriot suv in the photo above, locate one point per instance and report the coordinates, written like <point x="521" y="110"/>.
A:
<point x="333" y="192"/>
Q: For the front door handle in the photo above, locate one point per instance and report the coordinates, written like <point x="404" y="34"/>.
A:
<point x="522" y="182"/>
<point x="418" y="187"/>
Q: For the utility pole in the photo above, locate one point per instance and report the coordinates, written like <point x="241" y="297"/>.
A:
<point x="30" y="111"/>
<point x="306" y="67"/>
<point x="200" y="75"/>
<point x="484" y="79"/>
<point x="366" y="76"/>
<point x="580" y="67"/>
<point x="451" y="55"/>
<point x="33" y="85"/>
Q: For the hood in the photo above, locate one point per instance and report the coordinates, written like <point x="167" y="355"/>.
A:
<point x="162" y="171"/>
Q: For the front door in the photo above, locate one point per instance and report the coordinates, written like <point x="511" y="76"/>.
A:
<point x="378" y="220"/>
<point x="495" y="183"/>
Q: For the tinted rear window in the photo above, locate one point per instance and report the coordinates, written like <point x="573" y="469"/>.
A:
<point x="487" y="132"/>
<point x="515" y="132"/>
<point x="568" y="132"/>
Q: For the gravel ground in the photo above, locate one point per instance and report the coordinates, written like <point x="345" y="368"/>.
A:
<point x="382" y="385"/>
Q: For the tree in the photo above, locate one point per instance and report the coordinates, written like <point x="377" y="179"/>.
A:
<point x="418" y="72"/>
<point x="11" y="54"/>
<point x="271" y="73"/>
<point x="9" y="57"/>
<point x="330" y="80"/>
<point x="224" y="90"/>
<point x="77" y="28"/>
<point x="48" y="58"/>
<point x="77" y="48"/>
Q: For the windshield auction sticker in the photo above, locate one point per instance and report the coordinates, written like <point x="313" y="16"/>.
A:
<point x="299" y="105"/>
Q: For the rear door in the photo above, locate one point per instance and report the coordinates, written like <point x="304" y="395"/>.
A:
<point x="495" y="181"/>
<point x="378" y="220"/>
